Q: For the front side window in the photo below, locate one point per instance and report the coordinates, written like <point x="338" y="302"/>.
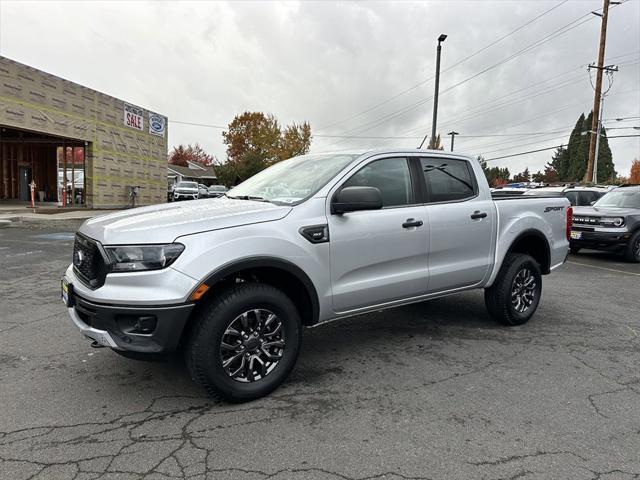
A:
<point x="391" y="176"/>
<point x="447" y="179"/>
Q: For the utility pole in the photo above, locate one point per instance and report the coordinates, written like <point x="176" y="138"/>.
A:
<point x="441" y="39"/>
<point x="598" y="133"/>
<point x="453" y="135"/>
<point x="597" y="98"/>
<point x="609" y="70"/>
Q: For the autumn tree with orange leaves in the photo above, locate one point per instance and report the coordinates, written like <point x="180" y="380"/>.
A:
<point x="634" y="175"/>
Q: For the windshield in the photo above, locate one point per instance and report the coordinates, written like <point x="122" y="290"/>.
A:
<point x="620" y="199"/>
<point x="292" y="181"/>
<point x="187" y="185"/>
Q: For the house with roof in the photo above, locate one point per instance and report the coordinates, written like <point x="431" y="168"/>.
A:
<point x="193" y="172"/>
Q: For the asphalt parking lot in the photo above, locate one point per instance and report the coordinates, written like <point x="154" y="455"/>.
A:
<point x="432" y="390"/>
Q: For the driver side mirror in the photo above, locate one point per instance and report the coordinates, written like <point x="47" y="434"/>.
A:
<point x="351" y="199"/>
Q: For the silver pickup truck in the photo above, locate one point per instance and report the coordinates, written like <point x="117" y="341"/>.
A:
<point x="230" y="282"/>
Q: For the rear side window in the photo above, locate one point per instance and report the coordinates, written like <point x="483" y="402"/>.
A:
<point x="573" y="198"/>
<point x="447" y="179"/>
<point x="390" y="176"/>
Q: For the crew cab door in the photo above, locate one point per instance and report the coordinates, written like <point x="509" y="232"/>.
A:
<point x="378" y="256"/>
<point x="462" y="224"/>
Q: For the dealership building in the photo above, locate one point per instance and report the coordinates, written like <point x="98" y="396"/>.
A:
<point x="79" y="147"/>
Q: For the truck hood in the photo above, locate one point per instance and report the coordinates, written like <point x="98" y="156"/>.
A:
<point x="604" y="211"/>
<point x="164" y="223"/>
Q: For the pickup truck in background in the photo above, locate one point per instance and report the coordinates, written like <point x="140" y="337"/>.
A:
<point x="231" y="282"/>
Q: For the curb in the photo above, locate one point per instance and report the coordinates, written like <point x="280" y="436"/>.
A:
<point x="5" y="223"/>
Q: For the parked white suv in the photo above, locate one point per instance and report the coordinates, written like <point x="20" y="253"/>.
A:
<point x="231" y="281"/>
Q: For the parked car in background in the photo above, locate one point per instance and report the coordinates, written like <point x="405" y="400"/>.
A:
<point x="611" y="224"/>
<point x="307" y="240"/>
<point x="217" y="191"/>
<point x="186" y="191"/>
<point x="203" y="192"/>
<point x="577" y="195"/>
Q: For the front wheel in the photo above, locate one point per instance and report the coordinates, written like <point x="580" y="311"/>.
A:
<point x="514" y="296"/>
<point x="632" y="252"/>
<point x="245" y="342"/>
<point x="574" y="250"/>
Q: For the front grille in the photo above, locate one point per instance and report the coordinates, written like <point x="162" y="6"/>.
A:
<point x="88" y="263"/>
<point x="584" y="220"/>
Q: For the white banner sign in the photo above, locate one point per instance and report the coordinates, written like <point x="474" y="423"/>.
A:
<point x="133" y="117"/>
<point x="157" y="124"/>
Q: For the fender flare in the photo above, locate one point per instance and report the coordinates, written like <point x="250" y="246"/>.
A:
<point x="269" y="262"/>
<point x="532" y="232"/>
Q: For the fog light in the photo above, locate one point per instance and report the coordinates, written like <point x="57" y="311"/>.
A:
<point x="145" y="325"/>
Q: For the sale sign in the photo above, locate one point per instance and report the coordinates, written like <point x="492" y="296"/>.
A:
<point x="133" y="117"/>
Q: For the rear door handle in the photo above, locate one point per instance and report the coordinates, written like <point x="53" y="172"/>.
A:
<point x="478" y="214"/>
<point x="412" y="223"/>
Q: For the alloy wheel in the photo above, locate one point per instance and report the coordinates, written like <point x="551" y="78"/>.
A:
<point x="252" y="345"/>
<point x="523" y="290"/>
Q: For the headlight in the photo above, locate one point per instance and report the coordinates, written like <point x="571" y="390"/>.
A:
<point x="612" y="221"/>
<point x="136" y="258"/>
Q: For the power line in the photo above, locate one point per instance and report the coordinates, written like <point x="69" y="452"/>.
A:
<point x="562" y="30"/>
<point x="543" y="149"/>
<point x="413" y="87"/>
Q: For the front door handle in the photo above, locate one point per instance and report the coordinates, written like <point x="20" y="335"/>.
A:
<point x="478" y="214"/>
<point x="412" y="223"/>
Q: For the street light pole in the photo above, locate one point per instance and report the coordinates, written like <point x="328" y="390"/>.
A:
<point x="441" y="39"/>
<point x="453" y="135"/>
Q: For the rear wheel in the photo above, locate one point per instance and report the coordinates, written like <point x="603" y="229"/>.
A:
<point x="514" y="296"/>
<point x="632" y="251"/>
<point x="245" y="343"/>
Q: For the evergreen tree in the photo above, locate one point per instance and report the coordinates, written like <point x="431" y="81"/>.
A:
<point x="571" y="163"/>
<point x="559" y="164"/>
<point x="578" y="150"/>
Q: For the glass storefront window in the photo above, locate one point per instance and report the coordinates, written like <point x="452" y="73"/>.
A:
<point x="71" y="178"/>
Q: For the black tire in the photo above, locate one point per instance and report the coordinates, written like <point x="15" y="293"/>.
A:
<point x="574" y="250"/>
<point x="498" y="298"/>
<point x="204" y="351"/>
<point x="632" y="250"/>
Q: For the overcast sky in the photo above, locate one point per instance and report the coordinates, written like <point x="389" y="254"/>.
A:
<point x="350" y="69"/>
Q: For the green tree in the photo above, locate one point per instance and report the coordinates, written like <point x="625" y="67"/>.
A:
<point x="559" y="164"/>
<point x="496" y="176"/>
<point x="571" y="163"/>
<point x="255" y="141"/>
<point x="522" y="176"/>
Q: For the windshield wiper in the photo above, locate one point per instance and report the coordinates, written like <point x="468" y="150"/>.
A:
<point x="250" y="197"/>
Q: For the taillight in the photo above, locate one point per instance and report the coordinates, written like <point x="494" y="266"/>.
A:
<point x="569" y="222"/>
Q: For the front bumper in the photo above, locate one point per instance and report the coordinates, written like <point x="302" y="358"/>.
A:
<point x="185" y="196"/>
<point x="601" y="240"/>
<point x="117" y="326"/>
